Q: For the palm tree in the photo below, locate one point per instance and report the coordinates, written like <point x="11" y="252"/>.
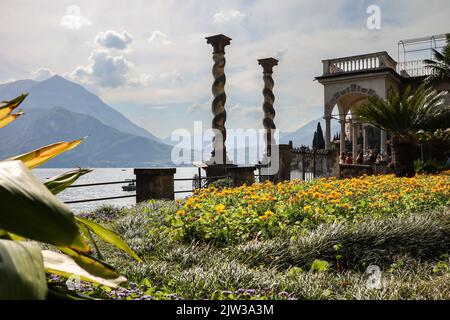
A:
<point x="404" y="114"/>
<point x="440" y="65"/>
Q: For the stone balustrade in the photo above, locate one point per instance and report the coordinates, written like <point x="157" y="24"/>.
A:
<point x="413" y="68"/>
<point x="363" y="62"/>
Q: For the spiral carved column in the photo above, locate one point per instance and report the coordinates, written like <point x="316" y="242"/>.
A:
<point x="219" y="154"/>
<point x="269" y="99"/>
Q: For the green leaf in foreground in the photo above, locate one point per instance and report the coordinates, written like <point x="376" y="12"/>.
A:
<point x="40" y="156"/>
<point x="22" y="274"/>
<point x="89" y="236"/>
<point x="8" y="106"/>
<point x="30" y="210"/>
<point x="61" y="182"/>
<point x="108" y="235"/>
<point x="86" y="268"/>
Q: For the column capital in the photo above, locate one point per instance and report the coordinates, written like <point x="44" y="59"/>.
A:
<point x="219" y="42"/>
<point x="268" y="64"/>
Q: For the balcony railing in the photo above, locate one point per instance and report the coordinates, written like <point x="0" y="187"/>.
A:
<point x="363" y="62"/>
<point x="374" y="61"/>
<point x="416" y="68"/>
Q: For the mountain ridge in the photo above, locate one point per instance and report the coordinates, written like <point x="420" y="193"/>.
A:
<point x="104" y="147"/>
<point x="60" y="92"/>
<point x="305" y="134"/>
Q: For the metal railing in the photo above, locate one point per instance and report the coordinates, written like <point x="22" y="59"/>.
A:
<point x="198" y="183"/>
<point x="100" y="184"/>
<point x="203" y="183"/>
<point x="373" y="61"/>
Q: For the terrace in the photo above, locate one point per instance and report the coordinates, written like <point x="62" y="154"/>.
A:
<point x="349" y="81"/>
<point x="410" y="62"/>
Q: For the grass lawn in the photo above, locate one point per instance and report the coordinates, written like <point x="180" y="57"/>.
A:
<point x="366" y="238"/>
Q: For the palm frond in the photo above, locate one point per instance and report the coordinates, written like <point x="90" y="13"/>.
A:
<point x="405" y="113"/>
<point x="440" y="65"/>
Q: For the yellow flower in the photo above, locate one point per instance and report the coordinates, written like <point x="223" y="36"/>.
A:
<point x="220" y="208"/>
<point x="307" y="208"/>
<point x="268" y="213"/>
<point x="181" y="213"/>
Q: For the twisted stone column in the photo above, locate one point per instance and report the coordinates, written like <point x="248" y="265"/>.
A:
<point x="219" y="154"/>
<point x="269" y="99"/>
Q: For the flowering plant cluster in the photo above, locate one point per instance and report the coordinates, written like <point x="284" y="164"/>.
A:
<point x="266" y="210"/>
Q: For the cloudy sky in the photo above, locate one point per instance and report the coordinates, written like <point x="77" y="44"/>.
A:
<point x="150" y="61"/>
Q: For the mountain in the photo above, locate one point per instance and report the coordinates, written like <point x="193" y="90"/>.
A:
<point x="60" y="92"/>
<point x="105" y="146"/>
<point x="305" y="134"/>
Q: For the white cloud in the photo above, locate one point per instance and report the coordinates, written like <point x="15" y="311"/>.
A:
<point x="142" y="80"/>
<point x="104" y="69"/>
<point x="73" y="19"/>
<point x="41" y="74"/>
<point x="114" y="40"/>
<point x="171" y="77"/>
<point x="8" y="80"/>
<point x="280" y="54"/>
<point x="246" y="112"/>
<point x="199" y="107"/>
<point x="306" y="29"/>
<point x="227" y="16"/>
<point x="159" y="38"/>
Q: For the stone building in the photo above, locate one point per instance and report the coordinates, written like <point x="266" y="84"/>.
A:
<point x="349" y="81"/>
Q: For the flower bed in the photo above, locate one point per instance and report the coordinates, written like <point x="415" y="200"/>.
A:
<point x="287" y="241"/>
<point x="264" y="211"/>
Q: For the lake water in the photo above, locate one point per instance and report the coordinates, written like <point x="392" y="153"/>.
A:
<point x="108" y="175"/>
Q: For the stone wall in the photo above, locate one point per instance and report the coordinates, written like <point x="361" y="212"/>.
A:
<point x="321" y="162"/>
<point x="347" y="171"/>
<point x="327" y="165"/>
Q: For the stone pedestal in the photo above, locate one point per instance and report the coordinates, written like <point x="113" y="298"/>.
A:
<point x="154" y="183"/>
<point x="284" y="174"/>
<point x="280" y="168"/>
<point x="218" y="170"/>
<point x="242" y="175"/>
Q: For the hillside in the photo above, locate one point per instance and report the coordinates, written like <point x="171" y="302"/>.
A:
<point x="104" y="147"/>
<point x="60" y="92"/>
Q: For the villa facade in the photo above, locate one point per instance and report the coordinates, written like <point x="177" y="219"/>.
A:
<point x="349" y="81"/>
